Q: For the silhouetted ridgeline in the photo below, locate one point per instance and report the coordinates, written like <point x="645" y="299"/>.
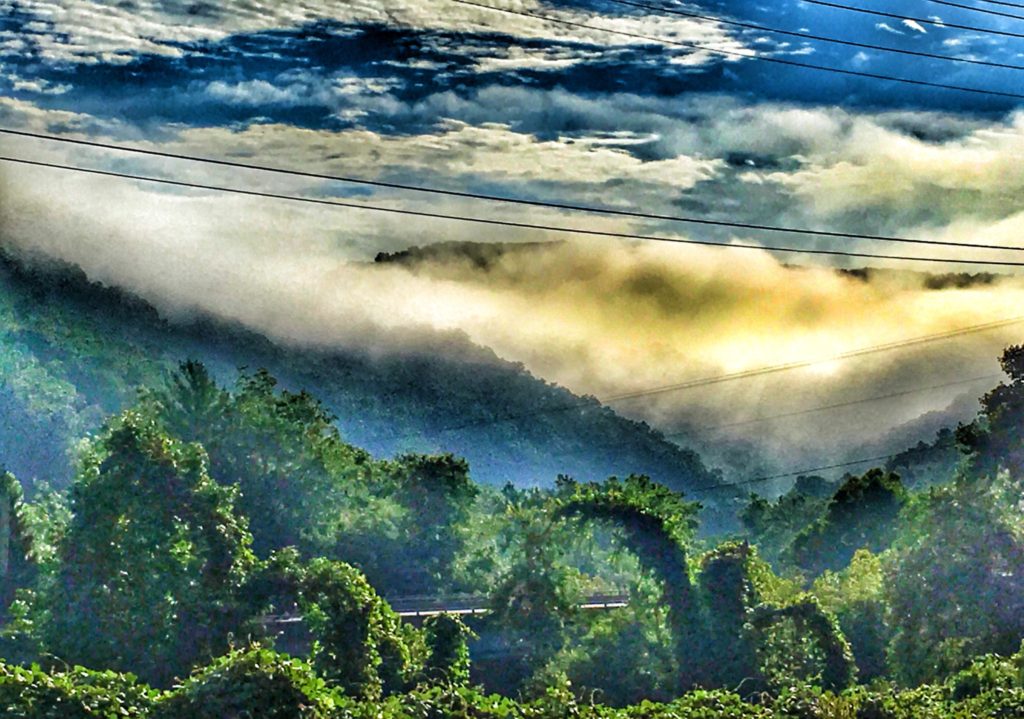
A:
<point x="481" y="255"/>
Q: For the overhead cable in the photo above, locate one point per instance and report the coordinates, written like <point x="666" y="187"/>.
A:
<point x="745" y="54"/>
<point x="501" y="199"/>
<point x="505" y="223"/>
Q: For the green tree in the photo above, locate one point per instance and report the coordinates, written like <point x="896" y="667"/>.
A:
<point x="856" y="596"/>
<point x="995" y="440"/>
<point x="437" y="494"/>
<point x="32" y="561"/>
<point x="281" y="449"/>
<point x="955" y="587"/>
<point x="17" y="565"/>
<point x="773" y="526"/>
<point x="153" y="561"/>
<point x="191" y="406"/>
<point x="863" y="513"/>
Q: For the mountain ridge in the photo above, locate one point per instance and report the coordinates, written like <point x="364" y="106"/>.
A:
<point x="82" y="348"/>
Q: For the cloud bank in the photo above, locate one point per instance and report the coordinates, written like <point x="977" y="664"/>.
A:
<point x="599" y="317"/>
<point x="443" y="94"/>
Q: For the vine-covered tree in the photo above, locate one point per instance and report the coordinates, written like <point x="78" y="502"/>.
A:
<point x="535" y="599"/>
<point x="154" y="559"/>
<point x="447" y="660"/>
<point x="730" y="596"/>
<point x="360" y="643"/>
<point x="816" y="630"/>
<point x="656" y="524"/>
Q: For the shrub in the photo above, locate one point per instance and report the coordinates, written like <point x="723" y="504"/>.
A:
<point x="252" y="683"/>
<point x="30" y="693"/>
<point x="984" y="674"/>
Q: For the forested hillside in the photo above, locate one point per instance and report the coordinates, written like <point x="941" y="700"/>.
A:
<point x="202" y="512"/>
<point x="72" y="352"/>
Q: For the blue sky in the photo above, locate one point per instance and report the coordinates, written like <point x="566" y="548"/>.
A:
<point x="206" y="63"/>
<point x="407" y="68"/>
<point x="401" y="66"/>
<point x="439" y="93"/>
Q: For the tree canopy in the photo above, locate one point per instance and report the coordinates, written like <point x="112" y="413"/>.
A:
<point x="154" y="559"/>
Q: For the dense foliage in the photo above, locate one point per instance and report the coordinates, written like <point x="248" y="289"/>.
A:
<point x="203" y="516"/>
<point x="150" y="567"/>
<point x="260" y="683"/>
<point x="30" y="693"/>
<point x="154" y="561"/>
<point x="252" y="683"/>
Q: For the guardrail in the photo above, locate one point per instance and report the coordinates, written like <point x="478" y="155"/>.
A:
<point x="458" y="605"/>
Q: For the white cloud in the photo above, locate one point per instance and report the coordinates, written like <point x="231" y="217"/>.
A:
<point x="86" y="30"/>
<point x="598" y="316"/>
<point x="40" y="86"/>
<point x="600" y="169"/>
<point x="874" y="168"/>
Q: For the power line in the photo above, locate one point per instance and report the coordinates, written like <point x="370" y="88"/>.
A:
<point x="866" y="400"/>
<point x="922" y="20"/>
<point x="622" y="397"/>
<point x="779" y="368"/>
<point x="840" y="405"/>
<point x="702" y="382"/>
<point x="590" y="403"/>
<point x="748" y="56"/>
<point x="808" y="36"/>
<point x="502" y="223"/>
<point x="808" y="470"/>
<point x="972" y="8"/>
<point x="760" y="371"/>
<point x="1004" y="4"/>
<point x="797" y="473"/>
<point x="219" y="162"/>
